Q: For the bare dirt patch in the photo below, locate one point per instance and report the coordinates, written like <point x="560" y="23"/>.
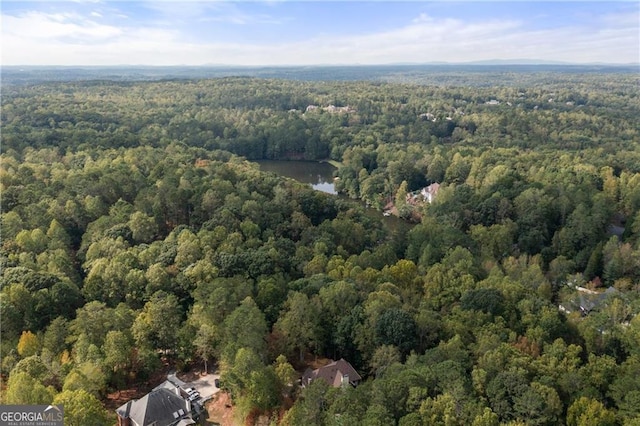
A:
<point x="316" y="362"/>
<point x="220" y="410"/>
<point x="189" y="376"/>
<point x="135" y="390"/>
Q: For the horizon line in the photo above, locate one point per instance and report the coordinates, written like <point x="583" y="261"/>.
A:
<point x="488" y="62"/>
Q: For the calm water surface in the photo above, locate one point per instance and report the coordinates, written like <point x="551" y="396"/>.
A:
<point x="318" y="175"/>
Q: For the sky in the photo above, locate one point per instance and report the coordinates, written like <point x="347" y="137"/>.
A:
<point x="348" y="32"/>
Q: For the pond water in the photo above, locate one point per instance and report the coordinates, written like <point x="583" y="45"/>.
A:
<point x="318" y="175"/>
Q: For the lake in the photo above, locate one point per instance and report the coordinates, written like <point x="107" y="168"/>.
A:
<point x="318" y="175"/>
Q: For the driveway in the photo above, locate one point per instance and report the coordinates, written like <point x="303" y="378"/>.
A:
<point x="174" y="379"/>
<point x="205" y="385"/>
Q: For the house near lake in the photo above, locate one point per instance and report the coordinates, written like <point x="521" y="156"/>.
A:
<point x="428" y="194"/>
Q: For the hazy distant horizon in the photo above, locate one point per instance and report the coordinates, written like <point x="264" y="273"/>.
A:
<point x="314" y="33"/>
<point x="488" y="63"/>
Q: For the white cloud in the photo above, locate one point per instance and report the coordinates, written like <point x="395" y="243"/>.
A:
<point x="630" y="19"/>
<point x="71" y="39"/>
<point x="207" y="11"/>
<point x="423" y="17"/>
<point x="44" y="27"/>
<point x="178" y="11"/>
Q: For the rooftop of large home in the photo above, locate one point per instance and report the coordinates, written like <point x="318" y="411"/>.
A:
<point x="336" y="374"/>
<point x="163" y="406"/>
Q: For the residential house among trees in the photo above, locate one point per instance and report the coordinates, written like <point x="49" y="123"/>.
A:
<point x="336" y="374"/>
<point x="163" y="406"/>
<point x="426" y="194"/>
<point x="430" y="192"/>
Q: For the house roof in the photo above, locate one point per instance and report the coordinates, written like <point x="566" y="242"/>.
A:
<point x="590" y="301"/>
<point x="167" y="384"/>
<point x="160" y="407"/>
<point x="433" y="188"/>
<point x="332" y="373"/>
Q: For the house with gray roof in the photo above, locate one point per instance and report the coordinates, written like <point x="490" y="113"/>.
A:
<point x="166" y="405"/>
<point x="336" y="374"/>
<point x="585" y="301"/>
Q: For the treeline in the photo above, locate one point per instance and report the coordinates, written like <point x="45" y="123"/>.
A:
<point x="129" y="235"/>
<point x="262" y="119"/>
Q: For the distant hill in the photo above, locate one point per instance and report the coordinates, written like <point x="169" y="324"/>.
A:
<point x="492" y="72"/>
<point x="517" y="62"/>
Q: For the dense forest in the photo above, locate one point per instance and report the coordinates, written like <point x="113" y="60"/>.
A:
<point x="137" y="231"/>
